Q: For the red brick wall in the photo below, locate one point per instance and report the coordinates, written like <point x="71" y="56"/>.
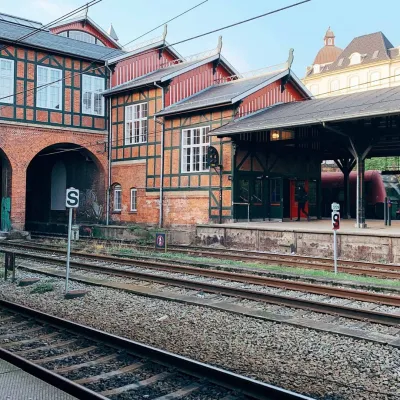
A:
<point x="21" y="143"/>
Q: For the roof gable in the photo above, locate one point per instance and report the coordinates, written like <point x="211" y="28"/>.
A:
<point x="231" y="92"/>
<point x="54" y="43"/>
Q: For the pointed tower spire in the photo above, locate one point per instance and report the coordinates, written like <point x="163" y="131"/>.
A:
<point x="112" y="32"/>
<point x="329" y="38"/>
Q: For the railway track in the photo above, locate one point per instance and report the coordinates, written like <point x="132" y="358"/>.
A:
<point x="379" y="270"/>
<point x="100" y="264"/>
<point x="90" y="364"/>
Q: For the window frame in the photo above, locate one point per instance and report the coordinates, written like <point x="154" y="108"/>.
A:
<point x="338" y="85"/>
<point x="11" y="96"/>
<point x="354" y="87"/>
<point x="117" y="189"/>
<point x="93" y="78"/>
<point x="202" y="150"/>
<point x="48" y="87"/>
<point x="375" y="82"/>
<point x="133" y="209"/>
<point x="355" y="59"/>
<point x="143" y="124"/>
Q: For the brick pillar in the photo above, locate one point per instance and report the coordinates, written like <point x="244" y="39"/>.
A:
<point x="18" y="198"/>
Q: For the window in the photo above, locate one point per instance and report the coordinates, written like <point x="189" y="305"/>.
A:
<point x="354" y="82"/>
<point x="355" y="58"/>
<point x="195" y="143"/>
<point x="136" y="124"/>
<point x="277" y="134"/>
<point x="335" y="85"/>
<point x="117" y="198"/>
<point x="82" y="36"/>
<point x="49" y="86"/>
<point x="375" y="55"/>
<point x="6" y="81"/>
<point x="133" y="199"/>
<point x="92" y="99"/>
<point x="330" y="41"/>
<point x="314" y="89"/>
<point x="340" y="62"/>
<point x="375" y="79"/>
<point x="275" y="191"/>
<point x="397" y="75"/>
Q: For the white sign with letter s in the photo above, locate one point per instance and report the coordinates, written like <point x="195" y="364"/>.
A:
<point x="72" y="198"/>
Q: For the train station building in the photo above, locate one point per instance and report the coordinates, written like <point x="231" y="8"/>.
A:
<point x="131" y="129"/>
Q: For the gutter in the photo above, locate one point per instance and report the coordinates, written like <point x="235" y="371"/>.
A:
<point x="161" y="207"/>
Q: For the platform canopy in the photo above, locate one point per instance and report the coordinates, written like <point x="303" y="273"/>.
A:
<point x="375" y="113"/>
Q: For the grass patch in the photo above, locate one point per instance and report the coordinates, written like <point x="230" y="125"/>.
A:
<point x="43" y="288"/>
<point x="312" y="273"/>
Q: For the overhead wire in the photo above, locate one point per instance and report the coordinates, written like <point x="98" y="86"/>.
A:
<point x="161" y="48"/>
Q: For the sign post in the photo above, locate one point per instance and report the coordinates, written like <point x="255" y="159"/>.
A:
<point x="335" y="227"/>
<point x="71" y="201"/>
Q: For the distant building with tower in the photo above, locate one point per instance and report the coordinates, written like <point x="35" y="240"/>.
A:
<point x="367" y="62"/>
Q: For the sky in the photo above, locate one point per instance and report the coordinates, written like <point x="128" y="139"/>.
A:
<point x="250" y="46"/>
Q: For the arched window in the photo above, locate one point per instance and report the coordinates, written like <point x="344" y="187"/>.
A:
<point x="355" y="58"/>
<point x="330" y="41"/>
<point x="335" y="85"/>
<point x="354" y="82"/>
<point x="133" y="199"/>
<point x="397" y="75"/>
<point x="117" y="197"/>
<point x="58" y="186"/>
<point x="374" y="78"/>
<point x="82" y="36"/>
<point x="314" y="89"/>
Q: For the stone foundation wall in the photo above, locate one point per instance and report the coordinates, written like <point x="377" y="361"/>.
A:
<point x="357" y="247"/>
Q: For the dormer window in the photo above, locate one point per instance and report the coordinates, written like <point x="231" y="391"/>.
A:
<point x="355" y="58"/>
<point x="375" y="55"/>
<point x="317" y="69"/>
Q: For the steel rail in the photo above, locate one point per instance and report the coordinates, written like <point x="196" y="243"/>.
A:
<point x="379" y="270"/>
<point x="391" y="300"/>
<point x="250" y="387"/>
<point x="345" y="311"/>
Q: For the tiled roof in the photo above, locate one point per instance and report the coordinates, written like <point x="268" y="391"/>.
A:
<point x="311" y="112"/>
<point x="54" y="43"/>
<point x="373" y="48"/>
<point x="159" y="75"/>
<point x="223" y="93"/>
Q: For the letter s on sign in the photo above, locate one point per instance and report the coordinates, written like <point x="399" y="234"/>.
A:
<point x="72" y="198"/>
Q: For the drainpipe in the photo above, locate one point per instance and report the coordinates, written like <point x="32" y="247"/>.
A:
<point x="161" y="216"/>
<point x="109" y="152"/>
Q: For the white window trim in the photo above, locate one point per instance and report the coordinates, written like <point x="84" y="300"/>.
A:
<point x="134" y="190"/>
<point x="92" y="112"/>
<point x="47" y="87"/>
<point x="353" y="87"/>
<point x="201" y="145"/>
<point x="117" y="189"/>
<point x="10" y="98"/>
<point x="376" y="81"/>
<point x="142" y="122"/>
<point x="334" y="89"/>
<point x="355" y="59"/>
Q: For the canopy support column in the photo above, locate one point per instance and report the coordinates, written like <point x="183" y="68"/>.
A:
<point x="346" y="165"/>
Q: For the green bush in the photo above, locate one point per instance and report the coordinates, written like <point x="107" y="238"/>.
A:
<point x="43" y="288"/>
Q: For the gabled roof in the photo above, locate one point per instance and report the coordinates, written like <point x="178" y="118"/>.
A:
<point x="87" y="19"/>
<point x="368" y="104"/>
<point x="230" y="92"/>
<point x="161" y="75"/>
<point x="142" y="47"/>
<point x="21" y="21"/>
<point x="373" y="47"/>
<point x="10" y="32"/>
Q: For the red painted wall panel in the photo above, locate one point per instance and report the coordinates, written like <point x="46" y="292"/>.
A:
<point x="139" y="65"/>
<point x="269" y="96"/>
<point x="193" y="81"/>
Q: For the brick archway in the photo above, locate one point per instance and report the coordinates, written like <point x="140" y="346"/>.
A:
<point x="45" y="205"/>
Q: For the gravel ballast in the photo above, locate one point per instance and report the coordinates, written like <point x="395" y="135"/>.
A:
<point x="322" y="365"/>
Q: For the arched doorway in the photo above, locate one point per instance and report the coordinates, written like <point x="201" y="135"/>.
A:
<point x="49" y="174"/>
<point x="5" y="192"/>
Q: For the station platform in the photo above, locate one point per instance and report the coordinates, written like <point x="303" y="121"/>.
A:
<point x="377" y="242"/>
<point x="16" y="384"/>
